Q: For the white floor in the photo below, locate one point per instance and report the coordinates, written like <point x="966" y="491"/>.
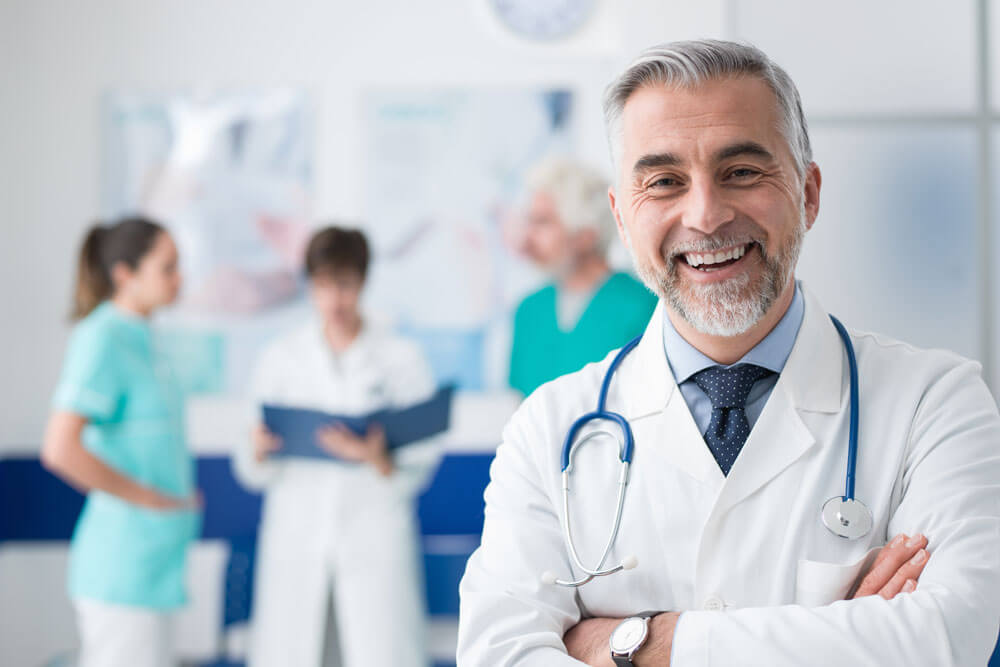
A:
<point x="36" y="617"/>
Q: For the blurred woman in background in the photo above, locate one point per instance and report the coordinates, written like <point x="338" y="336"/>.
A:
<point x="339" y="578"/>
<point x="117" y="434"/>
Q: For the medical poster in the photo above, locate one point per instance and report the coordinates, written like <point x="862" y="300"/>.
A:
<point x="230" y="177"/>
<point x="443" y="168"/>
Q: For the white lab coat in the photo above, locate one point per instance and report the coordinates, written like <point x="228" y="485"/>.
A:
<point x="338" y="534"/>
<point x="747" y="558"/>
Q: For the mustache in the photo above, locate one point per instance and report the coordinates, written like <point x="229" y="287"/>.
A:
<point x="712" y="244"/>
<point x="738" y="232"/>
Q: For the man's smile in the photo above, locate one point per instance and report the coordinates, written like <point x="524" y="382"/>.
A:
<point x="715" y="265"/>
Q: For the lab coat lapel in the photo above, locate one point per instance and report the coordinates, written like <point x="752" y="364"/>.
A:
<point x="811" y="381"/>
<point x="664" y="430"/>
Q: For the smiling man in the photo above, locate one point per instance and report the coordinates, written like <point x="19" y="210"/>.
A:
<point x="736" y="543"/>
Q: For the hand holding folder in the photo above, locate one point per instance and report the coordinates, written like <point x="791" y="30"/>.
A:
<point x="298" y="427"/>
<point x="342" y="443"/>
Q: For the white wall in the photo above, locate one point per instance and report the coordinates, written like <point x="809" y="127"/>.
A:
<point x="57" y="58"/>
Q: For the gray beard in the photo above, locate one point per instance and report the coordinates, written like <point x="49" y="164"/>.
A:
<point x="732" y="307"/>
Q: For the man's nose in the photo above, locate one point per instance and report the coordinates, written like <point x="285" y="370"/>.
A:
<point x="705" y="207"/>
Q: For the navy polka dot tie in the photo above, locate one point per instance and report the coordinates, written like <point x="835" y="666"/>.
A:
<point x="728" y="389"/>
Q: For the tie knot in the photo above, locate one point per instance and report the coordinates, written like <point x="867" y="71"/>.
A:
<point x="729" y="387"/>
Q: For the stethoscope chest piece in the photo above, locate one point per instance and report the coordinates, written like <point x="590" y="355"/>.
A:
<point x="847" y="517"/>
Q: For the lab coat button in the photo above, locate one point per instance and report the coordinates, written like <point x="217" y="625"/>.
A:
<point x="713" y="603"/>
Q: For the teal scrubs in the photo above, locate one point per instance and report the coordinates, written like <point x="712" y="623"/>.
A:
<point x="112" y="375"/>
<point x="617" y="313"/>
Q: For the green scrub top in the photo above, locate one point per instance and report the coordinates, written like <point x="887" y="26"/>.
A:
<point x="112" y="375"/>
<point x="617" y="313"/>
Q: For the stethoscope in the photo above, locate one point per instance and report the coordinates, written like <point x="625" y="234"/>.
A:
<point x="844" y="516"/>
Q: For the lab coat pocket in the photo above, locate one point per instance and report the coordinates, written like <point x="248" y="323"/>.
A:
<point x="818" y="583"/>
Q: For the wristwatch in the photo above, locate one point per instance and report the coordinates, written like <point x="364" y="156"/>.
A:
<point x="629" y="637"/>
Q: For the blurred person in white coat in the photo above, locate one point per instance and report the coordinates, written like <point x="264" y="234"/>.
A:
<point x="339" y="579"/>
<point x="739" y="399"/>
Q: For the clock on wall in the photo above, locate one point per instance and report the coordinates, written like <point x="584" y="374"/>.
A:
<point x="543" y="19"/>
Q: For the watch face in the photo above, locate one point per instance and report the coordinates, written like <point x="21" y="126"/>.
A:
<point x="628" y="635"/>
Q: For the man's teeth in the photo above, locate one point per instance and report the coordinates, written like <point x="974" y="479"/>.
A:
<point x="698" y="259"/>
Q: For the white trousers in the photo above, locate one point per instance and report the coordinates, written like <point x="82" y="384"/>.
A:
<point x="113" y="635"/>
<point x="359" y="604"/>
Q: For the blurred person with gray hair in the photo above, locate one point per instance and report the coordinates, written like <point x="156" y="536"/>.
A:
<point x="587" y="309"/>
<point x="789" y="492"/>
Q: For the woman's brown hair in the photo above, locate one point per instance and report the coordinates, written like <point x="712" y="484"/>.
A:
<point x="104" y="246"/>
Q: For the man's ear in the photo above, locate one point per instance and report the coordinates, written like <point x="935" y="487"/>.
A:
<point x="813" y="182"/>
<point x="619" y="224"/>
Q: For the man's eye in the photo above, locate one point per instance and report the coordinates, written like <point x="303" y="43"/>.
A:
<point x="743" y="172"/>
<point x="663" y="182"/>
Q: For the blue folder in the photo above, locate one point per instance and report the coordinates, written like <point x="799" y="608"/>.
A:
<point x="297" y="427"/>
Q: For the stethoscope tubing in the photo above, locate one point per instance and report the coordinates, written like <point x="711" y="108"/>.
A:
<point x="852" y="440"/>
<point x="627" y="446"/>
<point x="567" y="530"/>
<point x="625" y="455"/>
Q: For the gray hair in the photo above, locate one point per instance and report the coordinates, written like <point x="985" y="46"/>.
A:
<point x="688" y="64"/>
<point x="580" y="195"/>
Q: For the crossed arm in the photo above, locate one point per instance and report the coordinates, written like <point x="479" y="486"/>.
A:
<point x="896" y="570"/>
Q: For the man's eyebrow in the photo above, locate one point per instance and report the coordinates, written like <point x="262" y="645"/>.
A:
<point x="749" y="148"/>
<point x="655" y="160"/>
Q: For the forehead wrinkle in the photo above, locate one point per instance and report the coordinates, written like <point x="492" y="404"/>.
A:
<point x="661" y="136"/>
<point x="655" y="116"/>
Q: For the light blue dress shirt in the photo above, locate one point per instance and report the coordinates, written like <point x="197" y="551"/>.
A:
<point x="685" y="361"/>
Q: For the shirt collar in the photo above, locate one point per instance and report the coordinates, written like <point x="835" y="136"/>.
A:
<point x="125" y="319"/>
<point x="357" y="349"/>
<point x="771" y="353"/>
